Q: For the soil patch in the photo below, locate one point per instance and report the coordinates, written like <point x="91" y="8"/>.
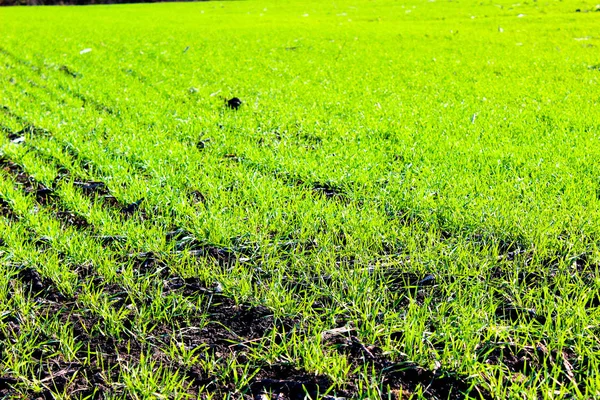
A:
<point x="527" y="360"/>
<point x="43" y="195"/>
<point x="183" y="240"/>
<point x="86" y="100"/>
<point x="404" y="377"/>
<point x="234" y="103"/>
<point x="68" y="71"/>
<point x="92" y="188"/>
<point x="6" y="210"/>
<point x="288" y="383"/>
<point x="329" y="190"/>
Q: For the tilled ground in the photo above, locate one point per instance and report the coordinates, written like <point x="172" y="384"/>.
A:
<point x="223" y="330"/>
<point x="107" y="290"/>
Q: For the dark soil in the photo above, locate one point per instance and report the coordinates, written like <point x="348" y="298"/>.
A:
<point x="329" y="190"/>
<point x="16" y="137"/>
<point x="97" y="190"/>
<point x="106" y="240"/>
<point x="513" y="313"/>
<point x="183" y="240"/>
<point x="533" y="359"/>
<point x="6" y="210"/>
<point x="91" y="188"/>
<point x="43" y="194"/>
<point x="225" y="330"/>
<point x="234" y="103"/>
<point x="149" y="264"/>
<point x="404" y="377"/>
<point x="68" y="71"/>
<point x="286" y="382"/>
<point x="71" y="219"/>
<point x="6" y="386"/>
<point x="38" y="287"/>
<point x="86" y="100"/>
<point x="131" y="208"/>
<point x="197" y="197"/>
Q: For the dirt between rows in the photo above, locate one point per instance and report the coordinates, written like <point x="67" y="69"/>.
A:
<point x="224" y="332"/>
<point x="47" y="196"/>
<point x="231" y="327"/>
<point x="229" y="323"/>
<point x="42" y="194"/>
<point x="233" y="323"/>
<point x="326" y="189"/>
<point x="220" y="332"/>
<point x="6" y="210"/>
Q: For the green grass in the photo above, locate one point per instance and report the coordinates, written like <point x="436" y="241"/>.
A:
<point x="405" y="205"/>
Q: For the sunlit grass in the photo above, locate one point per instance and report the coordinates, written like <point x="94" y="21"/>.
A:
<point x="419" y="178"/>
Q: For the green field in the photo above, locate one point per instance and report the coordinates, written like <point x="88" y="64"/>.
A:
<point x="405" y="205"/>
